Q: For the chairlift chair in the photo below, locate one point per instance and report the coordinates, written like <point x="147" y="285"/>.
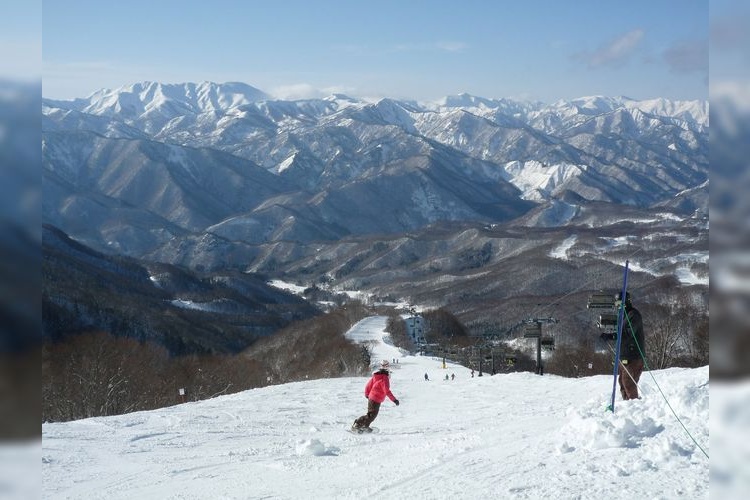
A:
<point x="548" y="343"/>
<point x="601" y="300"/>
<point x="532" y="330"/>
<point x="607" y="322"/>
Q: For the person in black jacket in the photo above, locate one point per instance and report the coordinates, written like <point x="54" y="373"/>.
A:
<point x="632" y="349"/>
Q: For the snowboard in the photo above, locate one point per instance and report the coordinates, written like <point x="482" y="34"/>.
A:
<point x="374" y="430"/>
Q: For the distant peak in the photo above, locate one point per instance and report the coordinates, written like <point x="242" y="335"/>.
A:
<point x="462" y="99"/>
<point x="340" y="97"/>
<point x="172" y="99"/>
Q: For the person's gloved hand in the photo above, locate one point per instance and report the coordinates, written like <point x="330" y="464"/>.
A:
<point x="396" y="401"/>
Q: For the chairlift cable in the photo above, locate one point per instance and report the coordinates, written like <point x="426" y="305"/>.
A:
<point x="597" y="277"/>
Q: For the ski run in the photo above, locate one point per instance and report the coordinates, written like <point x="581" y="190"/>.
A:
<point x="517" y="436"/>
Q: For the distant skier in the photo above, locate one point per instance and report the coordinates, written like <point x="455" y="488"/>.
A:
<point x="376" y="390"/>
<point x="632" y="349"/>
<point x="426" y="378"/>
<point x="453" y="376"/>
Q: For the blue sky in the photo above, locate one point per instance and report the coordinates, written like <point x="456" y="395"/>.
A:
<point x="20" y="40"/>
<point x="534" y="49"/>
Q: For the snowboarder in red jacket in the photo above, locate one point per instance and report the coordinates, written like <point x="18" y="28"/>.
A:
<point x="376" y="390"/>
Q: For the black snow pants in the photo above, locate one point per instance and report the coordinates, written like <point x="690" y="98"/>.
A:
<point x="372" y="412"/>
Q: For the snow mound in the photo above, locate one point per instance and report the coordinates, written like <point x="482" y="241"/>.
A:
<point x="646" y="424"/>
<point x="314" y="447"/>
<point x="598" y="428"/>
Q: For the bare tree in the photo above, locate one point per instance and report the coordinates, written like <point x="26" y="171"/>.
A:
<point x="699" y="349"/>
<point x="96" y="374"/>
<point x="668" y="334"/>
<point x="574" y="361"/>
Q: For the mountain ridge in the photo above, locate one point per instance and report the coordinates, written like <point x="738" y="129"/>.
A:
<point x="185" y="163"/>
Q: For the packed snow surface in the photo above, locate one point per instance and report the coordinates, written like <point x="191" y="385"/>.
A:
<point x="515" y="435"/>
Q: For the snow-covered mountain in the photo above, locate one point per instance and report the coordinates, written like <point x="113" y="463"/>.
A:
<point x="341" y="166"/>
<point x="155" y="103"/>
<point x="514" y="435"/>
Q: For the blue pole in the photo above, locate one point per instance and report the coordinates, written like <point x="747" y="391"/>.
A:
<point x="620" y="319"/>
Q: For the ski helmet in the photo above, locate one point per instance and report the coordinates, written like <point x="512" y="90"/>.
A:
<point x="384" y="364"/>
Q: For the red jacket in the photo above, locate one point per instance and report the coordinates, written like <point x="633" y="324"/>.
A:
<point x="378" y="387"/>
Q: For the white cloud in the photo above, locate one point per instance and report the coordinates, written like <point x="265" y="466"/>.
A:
<point x="446" y="46"/>
<point x="296" y="91"/>
<point x="307" y="91"/>
<point x="452" y="46"/>
<point x="615" y="52"/>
